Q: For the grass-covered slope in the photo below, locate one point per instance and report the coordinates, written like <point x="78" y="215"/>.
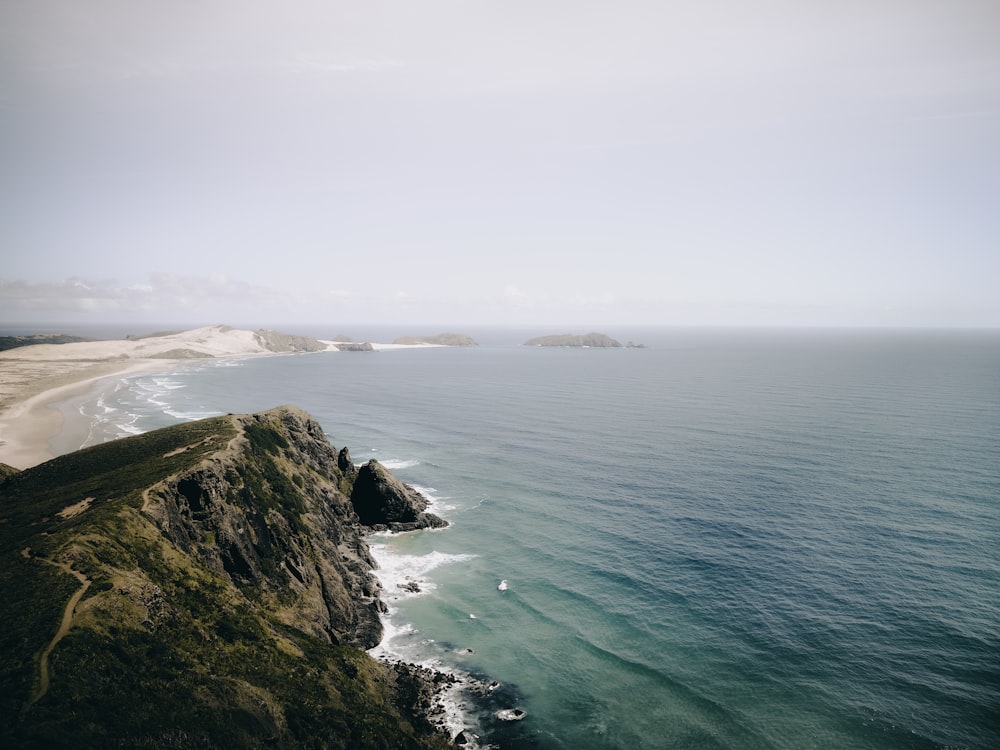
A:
<point x="204" y="585"/>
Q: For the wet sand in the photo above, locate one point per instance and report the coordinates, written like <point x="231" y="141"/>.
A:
<point x="39" y="400"/>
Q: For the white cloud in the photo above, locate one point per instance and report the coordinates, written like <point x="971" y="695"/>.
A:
<point x="163" y="294"/>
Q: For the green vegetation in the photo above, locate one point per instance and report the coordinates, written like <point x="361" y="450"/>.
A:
<point x="165" y="647"/>
<point x="13" y="342"/>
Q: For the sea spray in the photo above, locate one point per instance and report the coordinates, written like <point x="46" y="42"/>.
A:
<point x="473" y="705"/>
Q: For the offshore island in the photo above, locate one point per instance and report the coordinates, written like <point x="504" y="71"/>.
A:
<point x="207" y="584"/>
<point x="583" y="341"/>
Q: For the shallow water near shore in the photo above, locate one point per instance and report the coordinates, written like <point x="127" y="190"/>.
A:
<point x="756" y="539"/>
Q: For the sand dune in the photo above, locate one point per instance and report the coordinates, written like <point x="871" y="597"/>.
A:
<point x="34" y="378"/>
<point x="210" y="341"/>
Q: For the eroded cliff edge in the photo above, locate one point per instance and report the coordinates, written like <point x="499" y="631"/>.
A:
<point x="226" y="595"/>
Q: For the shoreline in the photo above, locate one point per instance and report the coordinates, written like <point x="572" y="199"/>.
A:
<point x="35" y="408"/>
<point x="37" y="382"/>
<point x="473" y="706"/>
<point x="40" y="419"/>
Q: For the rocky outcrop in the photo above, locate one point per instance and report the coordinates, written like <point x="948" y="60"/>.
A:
<point x="269" y="514"/>
<point x="345" y="464"/>
<point x="352" y="346"/>
<point x="416" y="691"/>
<point x="382" y="502"/>
<point x="275" y="341"/>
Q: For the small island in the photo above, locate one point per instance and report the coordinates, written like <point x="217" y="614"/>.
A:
<point x="588" y="340"/>
<point x="442" y="339"/>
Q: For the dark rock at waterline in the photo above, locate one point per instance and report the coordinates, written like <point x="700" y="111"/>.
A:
<point x="382" y="502"/>
<point x="416" y="693"/>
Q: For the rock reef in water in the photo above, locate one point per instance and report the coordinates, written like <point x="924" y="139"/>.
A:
<point x="215" y="589"/>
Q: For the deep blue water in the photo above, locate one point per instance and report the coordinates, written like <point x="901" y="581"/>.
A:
<point x="756" y="539"/>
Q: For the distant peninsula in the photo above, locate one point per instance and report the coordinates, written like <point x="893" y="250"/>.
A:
<point x="587" y="340"/>
<point x="442" y="339"/>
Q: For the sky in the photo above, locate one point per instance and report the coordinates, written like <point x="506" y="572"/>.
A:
<point x="501" y="162"/>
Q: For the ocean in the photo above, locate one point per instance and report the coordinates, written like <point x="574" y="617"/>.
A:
<point x="727" y="539"/>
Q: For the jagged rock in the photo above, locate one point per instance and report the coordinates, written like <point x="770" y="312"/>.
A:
<point x="382" y="502"/>
<point x="345" y="464"/>
<point x="415" y="690"/>
<point x="219" y="513"/>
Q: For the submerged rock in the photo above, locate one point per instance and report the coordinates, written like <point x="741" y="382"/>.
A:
<point x="511" y="714"/>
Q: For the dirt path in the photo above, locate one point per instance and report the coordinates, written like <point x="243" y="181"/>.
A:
<point x="64" y="626"/>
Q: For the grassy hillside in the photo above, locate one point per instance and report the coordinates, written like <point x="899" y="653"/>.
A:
<point x="129" y="626"/>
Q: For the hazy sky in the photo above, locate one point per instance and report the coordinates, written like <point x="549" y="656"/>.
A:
<point x="550" y="162"/>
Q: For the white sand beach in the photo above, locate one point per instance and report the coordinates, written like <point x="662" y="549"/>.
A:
<point x="34" y="380"/>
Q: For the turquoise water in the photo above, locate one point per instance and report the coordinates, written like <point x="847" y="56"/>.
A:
<point x="726" y="540"/>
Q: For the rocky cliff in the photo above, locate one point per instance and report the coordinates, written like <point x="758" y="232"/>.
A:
<point x="205" y="585"/>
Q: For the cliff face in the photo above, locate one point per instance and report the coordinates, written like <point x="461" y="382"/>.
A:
<point x="270" y="515"/>
<point x="205" y="585"/>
